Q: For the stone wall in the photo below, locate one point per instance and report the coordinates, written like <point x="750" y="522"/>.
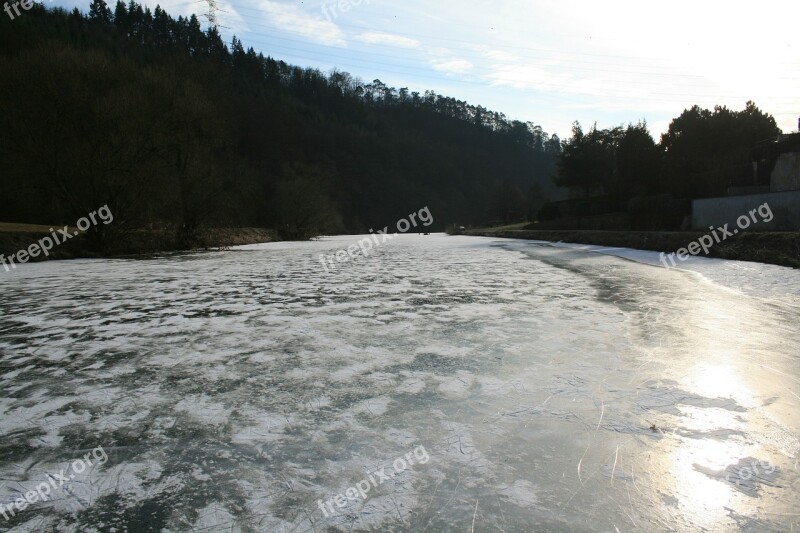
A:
<point x="786" y="174"/>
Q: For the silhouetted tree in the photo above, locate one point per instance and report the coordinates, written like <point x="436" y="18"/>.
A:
<point x="703" y="149"/>
<point x="99" y="12"/>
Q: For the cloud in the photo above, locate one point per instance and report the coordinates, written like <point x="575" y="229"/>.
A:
<point x="377" y="37"/>
<point x="626" y="90"/>
<point x="526" y="76"/>
<point x="452" y="66"/>
<point x="292" y="19"/>
<point x="500" y="55"/>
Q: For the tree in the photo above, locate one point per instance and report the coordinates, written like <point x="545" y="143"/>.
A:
<point x="100" y="12"/>
<point x="638" y="162"/>
<point x="303" y="203"/>
<point x="508" y="204"/>
<point x="588" y="161"/>
<point x="704" y="150"/>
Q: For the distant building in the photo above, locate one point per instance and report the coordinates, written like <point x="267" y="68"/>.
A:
<point x="775" y="180"/>
<point x="778" y="160"/>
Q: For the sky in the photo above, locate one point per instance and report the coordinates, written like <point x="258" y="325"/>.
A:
<point x="550" y="62"/>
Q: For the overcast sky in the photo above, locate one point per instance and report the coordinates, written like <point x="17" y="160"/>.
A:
<point x="550" y="62"/>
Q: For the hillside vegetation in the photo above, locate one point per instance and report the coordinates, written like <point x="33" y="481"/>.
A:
<point x="173" y="129"/>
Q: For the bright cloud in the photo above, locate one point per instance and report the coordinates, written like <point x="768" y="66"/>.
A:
<point x="293" y="19"/>
<point x="522" y="76"/>
<point x="452" y="66"/>
<point x="380" y="38"/>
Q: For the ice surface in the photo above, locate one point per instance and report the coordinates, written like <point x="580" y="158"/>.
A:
<point x="554" y="387"/>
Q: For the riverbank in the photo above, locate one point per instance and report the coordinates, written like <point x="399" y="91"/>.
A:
<point x="16" y="237"/>
<point x="776" y="248"/>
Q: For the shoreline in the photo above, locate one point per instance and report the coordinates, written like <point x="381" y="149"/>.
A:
<point x="775" y="248"/>
<point x="128" y="244"/>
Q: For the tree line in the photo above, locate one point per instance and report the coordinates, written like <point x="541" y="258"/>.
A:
<point x="703" y="153"/>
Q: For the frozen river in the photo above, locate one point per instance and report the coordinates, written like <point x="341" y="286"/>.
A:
<point x="496" y="385"/>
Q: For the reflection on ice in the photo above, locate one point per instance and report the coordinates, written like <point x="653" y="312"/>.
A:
<point x="719" y="381"/>
<point x="553" y="387"/>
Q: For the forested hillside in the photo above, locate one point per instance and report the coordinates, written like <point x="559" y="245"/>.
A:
<point x="171" y="127"/>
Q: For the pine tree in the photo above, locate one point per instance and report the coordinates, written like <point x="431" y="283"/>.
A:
<point x="100" y="12"/>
